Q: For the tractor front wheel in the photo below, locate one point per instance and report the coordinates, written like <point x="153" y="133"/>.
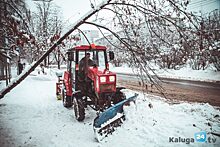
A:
<point x="67" y="101"/>
<point x="79" y="109"/>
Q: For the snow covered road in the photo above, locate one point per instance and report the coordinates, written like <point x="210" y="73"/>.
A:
<point x="30" y="115"/>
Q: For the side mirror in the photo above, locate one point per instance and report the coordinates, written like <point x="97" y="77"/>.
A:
<point x="111" y="55"/>
<point x="70" y="56"/>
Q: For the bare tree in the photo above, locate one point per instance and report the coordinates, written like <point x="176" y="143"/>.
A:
<point x="47" y="27"/>
<point x="129" y="17"/>
<point x="14" y="34"/>
<point x="14" y="29"/>
<point x="202" y="44"/>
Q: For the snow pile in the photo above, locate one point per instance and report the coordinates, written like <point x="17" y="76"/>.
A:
<point x="152" y="121"/>
<point x="49" y="74"/>
<point x="185" y="73"/>
<point x="123" y="69"/>
<point x="30" y="115"/>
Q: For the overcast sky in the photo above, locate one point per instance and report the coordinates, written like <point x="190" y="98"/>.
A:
<point x="204" y="6"/>
<point x="72" y="9"/>
<point x="75" y="9"/>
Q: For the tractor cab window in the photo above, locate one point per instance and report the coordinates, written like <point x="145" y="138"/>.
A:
<point x="82" y="55"/>
<point x="96" y="56"/>
<point x="71" y="67"/>
<point x="101" y="59"/>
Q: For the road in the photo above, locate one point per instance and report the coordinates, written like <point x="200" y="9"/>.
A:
<point x="177" y="90"/>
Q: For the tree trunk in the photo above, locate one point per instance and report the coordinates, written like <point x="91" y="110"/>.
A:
<point x="58" y="59"/>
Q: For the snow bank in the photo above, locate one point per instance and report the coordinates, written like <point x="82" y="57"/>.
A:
<point x="189" y="74"/>
<point x="152" y="126"/>
<point x="185" y="73"/>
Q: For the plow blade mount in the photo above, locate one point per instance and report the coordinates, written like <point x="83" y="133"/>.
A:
<point x="111" y="118"/>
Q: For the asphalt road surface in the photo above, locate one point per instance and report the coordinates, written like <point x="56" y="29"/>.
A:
<point x="177" y="90"/>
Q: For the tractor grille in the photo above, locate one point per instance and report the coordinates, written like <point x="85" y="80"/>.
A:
<point x="107" y="87"/>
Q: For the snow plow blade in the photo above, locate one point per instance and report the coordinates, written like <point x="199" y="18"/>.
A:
<point x="111" y="118"/>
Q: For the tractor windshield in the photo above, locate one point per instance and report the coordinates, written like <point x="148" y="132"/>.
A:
<point x="97" y="57"/>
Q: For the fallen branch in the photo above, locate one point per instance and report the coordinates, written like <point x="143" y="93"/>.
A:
<point x="75" y="26"/>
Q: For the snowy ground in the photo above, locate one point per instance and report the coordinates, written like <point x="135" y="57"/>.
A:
<point x="30" y="115"/>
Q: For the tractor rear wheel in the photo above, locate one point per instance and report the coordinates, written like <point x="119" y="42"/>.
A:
<point x="79" y="108"/>
<point x="67" y="101"/>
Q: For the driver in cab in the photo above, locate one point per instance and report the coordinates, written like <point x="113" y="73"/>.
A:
<point x="82" y="64"/>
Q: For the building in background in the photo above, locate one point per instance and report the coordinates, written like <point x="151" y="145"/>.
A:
<point x="5" y="69"/>
<point x="91" y="35"/>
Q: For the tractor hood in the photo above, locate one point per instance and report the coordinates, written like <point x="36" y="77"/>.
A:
<point x="104" y="80"/>
<point x="100" y="72"/>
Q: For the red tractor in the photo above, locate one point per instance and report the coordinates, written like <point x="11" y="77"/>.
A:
<point x="88" y="82"/>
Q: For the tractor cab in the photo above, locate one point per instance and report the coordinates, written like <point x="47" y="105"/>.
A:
<point x="83" y="68"/>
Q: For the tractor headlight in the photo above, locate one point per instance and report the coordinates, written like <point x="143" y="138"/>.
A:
<point x="102" y="79"/>
<point x="112" y="78"/>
